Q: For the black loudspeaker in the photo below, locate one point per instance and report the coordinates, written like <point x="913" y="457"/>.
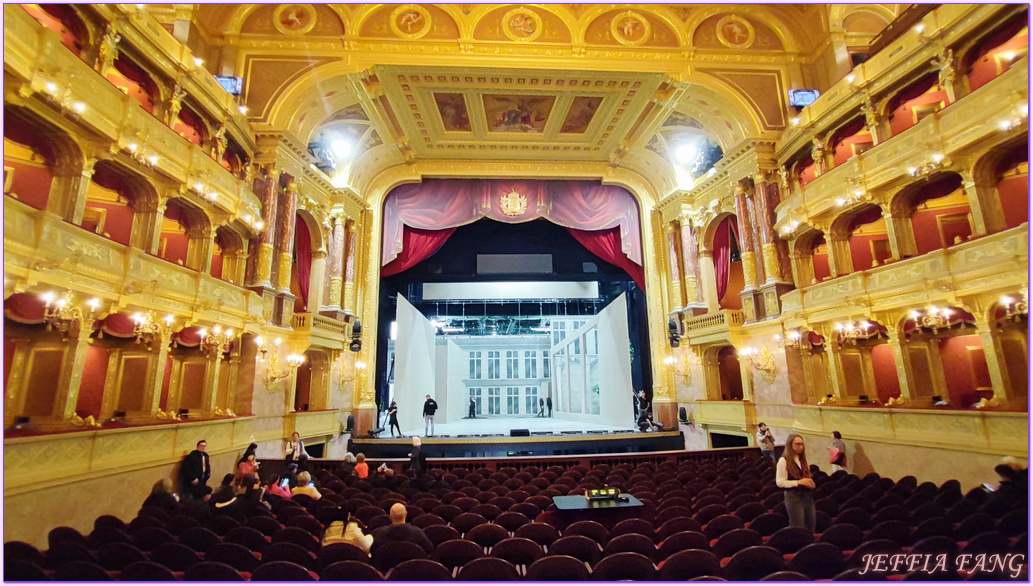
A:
<point x="356" y="337"/>
<point x="351" y="423"/>
<point x="683" y="415"/>
<point x="520" y="433"/>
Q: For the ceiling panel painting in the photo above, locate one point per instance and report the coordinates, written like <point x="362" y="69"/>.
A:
<point x="452" y="108"/>
<point x="516" y="113"/>
<point x="582" y="111"/>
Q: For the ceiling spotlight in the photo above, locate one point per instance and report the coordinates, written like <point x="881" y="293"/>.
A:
<point x="341" y="149"/>
<point x="243" y="109"/>
<point x="850" y="78"/>
<point x="686" y="153"/>
<point x="795" y="120"/>
<point x="198" y="61"/>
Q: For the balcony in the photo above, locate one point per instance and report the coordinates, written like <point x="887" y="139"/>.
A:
<point x="51" y="460"/>
<point x="310" y="424"/>
<point x="960" y="127"/>
<point x="949" y="23"/>
<point x="43" y="68"/>
<point x="970" y="431"/>
<point x="322" y="331"/>
<point x="999" y="261"/>
<point x="713" y="327"/>
<point x="726" y="415"/>
<point x="39" y="246"/>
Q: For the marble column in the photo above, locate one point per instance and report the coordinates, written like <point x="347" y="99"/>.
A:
<point x="336" y="264"/>
<point x="146" y="231"/>
<point x="902" y="361"/>
<point x="151" y="400"/>
<point x="1000" y="380"/>
<point x="673" y="265"/>
<point x="211" y="382"/>
<point x="766" y="228"/>
<point x="840" y="262"/>
<point x="746" y="232"/>
<point x="285" y="245"/>
<point x="900" y="233"/>
<point x="267" y="189"/>
<point x="708" y="280"/>
<point x="349" y="293"/>
<point x="984" y="202"/>
<point x="690" y="264"/>
<point x="316" y="280"/>
<point x="68" y="190"/>
<point x="71" y="374"/>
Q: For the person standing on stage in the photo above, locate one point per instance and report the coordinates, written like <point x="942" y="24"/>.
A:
<point x="430" y="406"/>
<point x="473" y="408"/>
<point x="548" y="403"/>
<point x="392" y="415"/>
<point x="541" y="407"/>
<point x="643" y="409"/>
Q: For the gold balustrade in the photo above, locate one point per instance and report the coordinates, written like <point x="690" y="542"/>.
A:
<point x="964" y="125"/>
<point x="39" y="247"/>
<point x="34" y="56"/>
<point x="999" y="260"/>
<point x="310" y="424"/>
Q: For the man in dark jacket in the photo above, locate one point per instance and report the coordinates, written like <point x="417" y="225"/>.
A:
<point x="548" y="403"/>
<point x="417" y="460"/>
<point x="195" y="471"/>
<point x="430" y="406"/>
<point x="399" y="530"/>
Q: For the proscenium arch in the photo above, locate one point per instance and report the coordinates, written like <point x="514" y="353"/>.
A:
<point x="645" y="194"/>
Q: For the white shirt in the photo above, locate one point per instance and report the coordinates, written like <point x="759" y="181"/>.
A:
<point x="782" y="474"/>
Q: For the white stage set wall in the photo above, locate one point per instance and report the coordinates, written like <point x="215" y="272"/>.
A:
<point x="589" y="379"/>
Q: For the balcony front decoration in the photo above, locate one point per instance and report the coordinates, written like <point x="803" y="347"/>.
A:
<point x="274" y="373"/>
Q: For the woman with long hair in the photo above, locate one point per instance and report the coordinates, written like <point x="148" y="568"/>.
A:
<point x="793" y="474"/>
<point x="247" y="466"/>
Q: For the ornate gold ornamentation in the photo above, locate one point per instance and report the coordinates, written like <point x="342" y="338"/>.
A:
<point x="735" y="32"/>
<point x="513" y="204"/>
<point x="749" y="268"/>
<point x="630" y="28"/>
<point x="762" y="360"/>
<point x="294" y="19"/>
<point x="771" y="267"/>
<point x="522" y="24"/>
<point x="410" y="21"/>
<point x="108" y="50"/>
<point x="265" y="263"/>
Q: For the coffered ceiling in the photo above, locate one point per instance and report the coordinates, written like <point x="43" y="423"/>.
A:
<point x="485" y="113"/>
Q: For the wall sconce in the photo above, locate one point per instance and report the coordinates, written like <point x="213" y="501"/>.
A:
<point x="853" y="331"/>
<point x="938" y="162"/>
<point x="349" y="369"/>
<point x="933" y="318"/>
<point x="140" y="155"/>
<point x="1013" y="308"/>
<point x="263" y="347"/>
<point x="1017" y="117"/>
<point x="762" y="360"/>
<point x="681" y="367"/>
<point x="63" y="314"/>
<point x="275" y="373"/>
<point x="148" y="328"/>
<point x="791" y="340"/>
<point x="216" y="342"/>
<point x="254" y="222"/>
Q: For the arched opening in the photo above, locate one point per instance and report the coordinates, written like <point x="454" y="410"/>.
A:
<point x="922" y="98"/>
<point x="814" y="384"/>
<point x="728" y="269"/>
<point x="62" y="19"/>
<point x="233" y="159"/>
<point x="109" y="205"/>
<point x="943" y="340"/>
<point x="820" y="259"/>
<point x="850" y="140"/>
<point x="191" y="126"/>
<point x="940" y="213"/>
<point x="805" y="169"/>
<point x="1011" y="320"/>
<point x="229" y="248"/>
<point x="29" y="161"/>
<point x="729" y="374"/>
<point x="134" y="81"/>
<point x="868" y="239"/>
<point x="174" y="242"/>
<point x="301" y="268"/>
<point x="303" y="384"/>
<point x="1012" y="177"/>
<point x="997" y="51"/>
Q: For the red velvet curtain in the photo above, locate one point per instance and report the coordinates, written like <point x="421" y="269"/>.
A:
<point x="417" y="246"/>
<point x="303" y="257"/>
<point x="723" y="253"/>
<point x="606" y="244"/>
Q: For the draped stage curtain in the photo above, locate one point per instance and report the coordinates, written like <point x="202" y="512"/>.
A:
<point x="418" y="246"/>
<point x="606" y="244"/>
<point x="303" y="258"/>
<point x="439" y="204"/>
<point x="723" y="253"/>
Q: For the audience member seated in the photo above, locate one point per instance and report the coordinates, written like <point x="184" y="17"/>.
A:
<point x="305" y="486"/>
<point x="291" y="475"/>
<point x="247" y="465"/>
<point x="399" y="530"/>
<point x="252" y="497"/>
<point x="347" y="529"/>
<point x="162" y="497"/>
<point x="276" y="485"/>
<point x="361" y="467"/>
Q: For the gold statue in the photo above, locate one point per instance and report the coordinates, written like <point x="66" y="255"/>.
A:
<point x="944" y="64"/>
<point x="818" y="154"/>
<point x="175" y="105"/>
<point x="108" y="50"/>
<point x="783" y="181"/>
<point x="221" y="142"/>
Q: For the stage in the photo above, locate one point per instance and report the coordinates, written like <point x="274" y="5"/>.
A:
<point x="490" y="437"/>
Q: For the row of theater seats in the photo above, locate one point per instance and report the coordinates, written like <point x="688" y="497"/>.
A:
<point x="714" y="520"/>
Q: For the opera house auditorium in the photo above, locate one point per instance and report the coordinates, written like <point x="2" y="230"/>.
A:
<point x="547" y="292"/>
